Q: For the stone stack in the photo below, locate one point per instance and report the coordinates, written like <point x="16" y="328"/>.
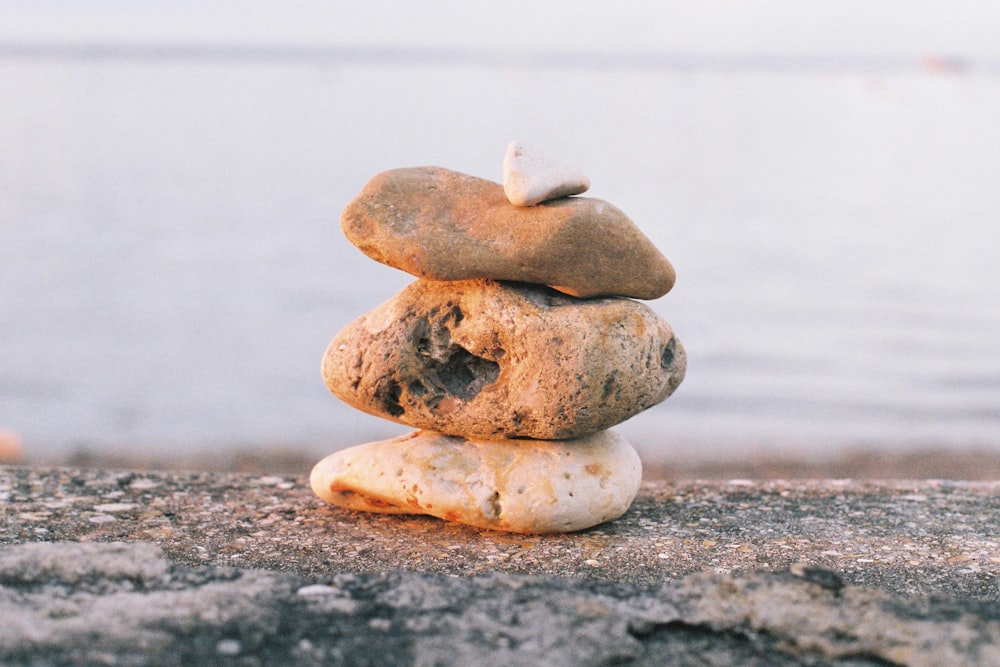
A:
<point x="514" y="352"/>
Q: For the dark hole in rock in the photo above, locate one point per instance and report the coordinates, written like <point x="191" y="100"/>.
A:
<point x="609" y="386"/>
<point x="463" y="374"/>
<point x="667" y="356"/>
<point x="423" y="346"/>
<point x="494" y="505"/>
<point x="421" y="336"/>
<point x="388" y="394"/>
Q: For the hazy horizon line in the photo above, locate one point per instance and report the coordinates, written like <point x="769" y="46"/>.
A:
<point x="561" y="59"/>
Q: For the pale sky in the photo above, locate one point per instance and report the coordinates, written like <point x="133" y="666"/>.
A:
<point x="855" y="28"/>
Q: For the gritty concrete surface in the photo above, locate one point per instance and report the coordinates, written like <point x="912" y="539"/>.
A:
<point x="906" y="538"/>
<point x="125" y="604"/>
<point x="250" y="569"/>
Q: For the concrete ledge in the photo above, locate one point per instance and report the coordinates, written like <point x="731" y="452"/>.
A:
<point x="253" y="569"/>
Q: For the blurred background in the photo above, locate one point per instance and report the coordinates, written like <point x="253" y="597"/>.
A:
<point x="824" y="176"/>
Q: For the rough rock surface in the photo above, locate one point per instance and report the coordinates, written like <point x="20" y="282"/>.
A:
<point x="68" y="603"/>
<point x="440" y="224"/>
<point x="522" y="486"/>
<point x="483" y="359"/>
<point x="864" y="573"/>
<point x="530" y="177"/>
<point x="905" y="537"/>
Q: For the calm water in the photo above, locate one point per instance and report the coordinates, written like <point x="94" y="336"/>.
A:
<point x="171" y="265"/>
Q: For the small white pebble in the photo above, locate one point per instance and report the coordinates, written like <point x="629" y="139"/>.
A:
<point x="380" y="624"/>
<point x="591" y="562"/>
<point x="102" y="518"/>
<point x="529" y="177"/>
<point x="229" y="647"/>
<point x="115" y="507"/>
<point x="270" y="481"/>
<point x="316" y="589"/>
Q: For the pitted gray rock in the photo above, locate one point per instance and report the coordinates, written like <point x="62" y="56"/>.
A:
<point x="485" y="359"/>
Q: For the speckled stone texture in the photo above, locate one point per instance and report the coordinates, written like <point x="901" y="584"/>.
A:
<point x="521" y="486"/>
<point x="484" y="359"/>
<point x="254" y="570"/>
<point x="908" y="538"/>
<point x="440" y="224"/>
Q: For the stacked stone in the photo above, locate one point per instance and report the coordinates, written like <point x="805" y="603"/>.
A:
<point x="518" y="347"/>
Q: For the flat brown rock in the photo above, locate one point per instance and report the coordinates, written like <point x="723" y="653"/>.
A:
<point x="440" y="224"/>
<point x="483" y="359"/>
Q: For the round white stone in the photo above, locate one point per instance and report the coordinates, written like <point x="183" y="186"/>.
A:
<point x="522" y="486"/>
